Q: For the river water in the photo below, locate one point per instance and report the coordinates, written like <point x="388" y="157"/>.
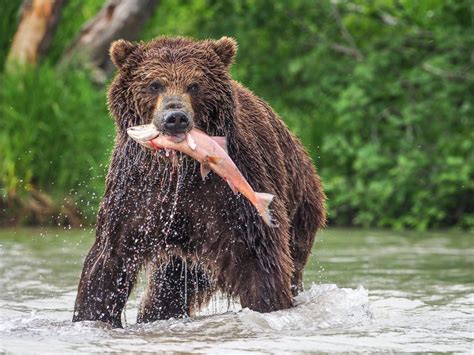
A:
<point x="366" y="291"/>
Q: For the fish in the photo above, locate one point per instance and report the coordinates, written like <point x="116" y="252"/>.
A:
<point x="211" y="153"/>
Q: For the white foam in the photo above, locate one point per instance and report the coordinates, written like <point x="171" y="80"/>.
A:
<point x="321" y="307"/>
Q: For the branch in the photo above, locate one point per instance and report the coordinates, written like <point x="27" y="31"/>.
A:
<point x="35" y="31"/>
<point x="450" y="75"/>
<point x="116" y="20"/>
<point x="346" y="50"/>
<point x="345" y="33"/>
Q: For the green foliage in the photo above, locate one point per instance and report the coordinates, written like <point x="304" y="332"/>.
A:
<point x="380" y="92"/>
<point x="54" y="135"/>
<point x="8" y="23"/>
<point x="401" y="151"/>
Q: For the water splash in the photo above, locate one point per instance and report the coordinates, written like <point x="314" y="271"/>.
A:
<point x="320" y="307"/>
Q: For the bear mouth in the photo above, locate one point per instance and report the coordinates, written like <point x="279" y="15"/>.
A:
<point x="143" y="134"/>
<point x="146" y="134"/>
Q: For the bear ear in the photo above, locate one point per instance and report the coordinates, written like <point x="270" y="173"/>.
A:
<point x="226" y="48"/>
<point x="120" y="50"/>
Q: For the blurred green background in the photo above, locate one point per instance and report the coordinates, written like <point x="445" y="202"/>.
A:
<point x="380" y="92"/>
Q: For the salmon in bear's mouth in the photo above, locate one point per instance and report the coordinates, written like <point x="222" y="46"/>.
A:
<point x="211" y="152"/>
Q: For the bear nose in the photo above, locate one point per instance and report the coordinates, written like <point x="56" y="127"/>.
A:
<point x="176" y="122"/>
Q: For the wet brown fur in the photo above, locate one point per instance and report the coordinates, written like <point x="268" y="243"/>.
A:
<point x="195" y="237"/>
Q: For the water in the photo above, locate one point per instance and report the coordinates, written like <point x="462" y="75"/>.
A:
<point x="366" y="291"/>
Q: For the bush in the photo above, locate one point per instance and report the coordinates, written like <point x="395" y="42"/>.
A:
<point x="54" y="135"/>
<point x="401" y="149"/>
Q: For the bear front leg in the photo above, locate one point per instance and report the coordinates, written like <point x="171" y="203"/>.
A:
<point x="265" y="290"/>
<point x="264" y="281"/>
<point x="174" y="290"/>
<point x="107" y="279"/>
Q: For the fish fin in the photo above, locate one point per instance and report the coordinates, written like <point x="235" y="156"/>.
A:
<point x="151" y="144"/>
<point x="214" y="160"/>
<point x="147" y="144"/>
<point x="263" y="201"/>
<point x="190" y="141"/>
<point x="232" y="187"/>
<point x="204" y="170"/>
<point x="222" y="141"/>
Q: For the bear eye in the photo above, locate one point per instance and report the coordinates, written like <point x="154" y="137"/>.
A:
<point x="193" y="88"/>
<point x="156" y="87"/>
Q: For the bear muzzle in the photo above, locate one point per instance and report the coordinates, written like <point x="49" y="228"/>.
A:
<point x="173" y="118"/>
<point x="176" y="122"/>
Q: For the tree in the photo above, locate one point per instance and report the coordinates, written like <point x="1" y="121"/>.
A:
<point x="36" y="28"/>
<point x="117" y="19"/>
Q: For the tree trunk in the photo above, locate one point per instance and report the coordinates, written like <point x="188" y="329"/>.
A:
<point x="35" y="31"/>
<point x="117" y="19"/>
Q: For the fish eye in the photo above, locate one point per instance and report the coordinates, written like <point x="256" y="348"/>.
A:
<point x="156" y="87"/>
<point x="193" y="88"/>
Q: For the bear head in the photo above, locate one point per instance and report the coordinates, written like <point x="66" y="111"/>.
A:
<point x="174" y="83"/>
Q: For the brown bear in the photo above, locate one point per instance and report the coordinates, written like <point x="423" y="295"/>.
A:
<point x="193" y="236"/>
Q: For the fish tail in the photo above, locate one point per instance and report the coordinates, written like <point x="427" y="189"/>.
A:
<point x="263" y="201"/>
